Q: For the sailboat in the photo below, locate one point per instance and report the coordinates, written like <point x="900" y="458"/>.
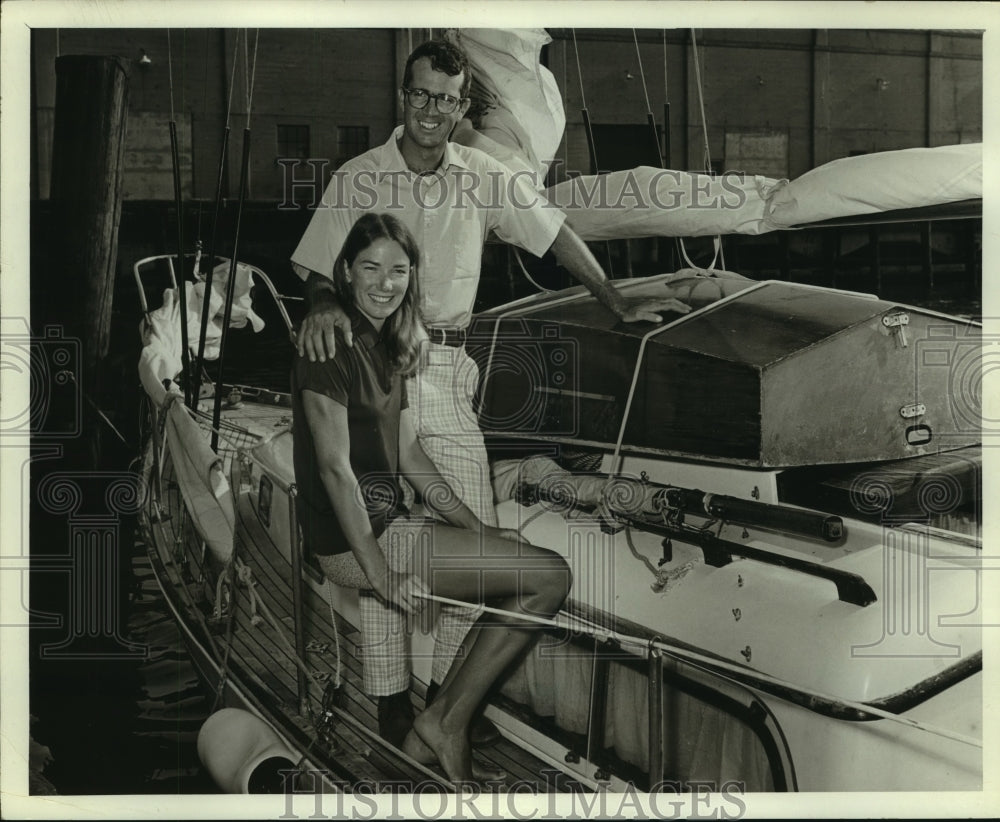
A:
<point x="772" y="506"/>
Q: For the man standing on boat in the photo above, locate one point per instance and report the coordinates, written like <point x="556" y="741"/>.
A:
<point x="450" y="197"/>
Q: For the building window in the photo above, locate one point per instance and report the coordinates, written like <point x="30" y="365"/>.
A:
<point x="351" y="141"/>
<point x="293" y="141"/>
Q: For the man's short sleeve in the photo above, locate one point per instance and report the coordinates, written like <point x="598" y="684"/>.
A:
<point x="527" y="219"/>
<point x="328" y="228"/>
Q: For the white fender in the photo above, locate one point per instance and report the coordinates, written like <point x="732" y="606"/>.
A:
<point x="233" y="742"/>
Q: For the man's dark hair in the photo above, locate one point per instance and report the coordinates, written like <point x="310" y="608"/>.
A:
<point x="444" y="57"/>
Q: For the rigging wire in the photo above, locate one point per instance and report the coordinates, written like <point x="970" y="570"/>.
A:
<point x="667" y="153"/>
<point x="591" y="144"/>
<point x="223" y="157"/>
<point x="642" y="74"/>
<point x="701" y="100"/>
<point x="579" y="71"/>
<point x="232" y="78"/>
<point x="224" y="150"/>
<point x="252" y="69"/>
<point x="565" y="92"/>
<point x="233" y="262"/>
<point x="190" y="396"/>
<point x="170" y="75"/>
<point x="717" y="240"/>
<point x="666" y="88"/>
<point x="649" y="109"/>
<point x="712" y="665"/>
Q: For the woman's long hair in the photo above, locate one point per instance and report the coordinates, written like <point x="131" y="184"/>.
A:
<point x="403" y="333"/>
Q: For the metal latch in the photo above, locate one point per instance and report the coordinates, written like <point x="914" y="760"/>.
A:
<point x="917" y="409"/>
<point x="897" y="323"/>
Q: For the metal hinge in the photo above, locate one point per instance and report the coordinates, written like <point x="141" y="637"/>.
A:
<point x="897" y="322"/>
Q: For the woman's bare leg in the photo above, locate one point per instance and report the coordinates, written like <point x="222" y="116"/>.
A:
<point x="465" y="565"/>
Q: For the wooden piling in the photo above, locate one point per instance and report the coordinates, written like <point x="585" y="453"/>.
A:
<point x="87" y="169"/>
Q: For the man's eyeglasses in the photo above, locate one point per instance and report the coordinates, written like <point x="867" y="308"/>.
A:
<point x="419" y="98"/>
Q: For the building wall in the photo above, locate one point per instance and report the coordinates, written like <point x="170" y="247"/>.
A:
<point x="323" y="78"/>
<point x="819" y="88"/>
<point x="777" y="102"/>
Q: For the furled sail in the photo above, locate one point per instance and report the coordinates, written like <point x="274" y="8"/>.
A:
<point x="523" y="125"/>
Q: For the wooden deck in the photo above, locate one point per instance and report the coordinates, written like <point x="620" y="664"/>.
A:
<point x="255" y="650"/>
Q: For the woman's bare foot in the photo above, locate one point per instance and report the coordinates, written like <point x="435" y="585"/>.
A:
<point x="450" y="746"/>
<point x="414" y="747"/>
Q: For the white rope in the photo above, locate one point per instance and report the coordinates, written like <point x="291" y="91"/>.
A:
<point x="713" y="665"/>
<point x="616" y="457"/>
<point x="717" y="251"/>
<point x="701" y="101"/>
<point x="684" y="254"/>
<point x="704" y="130"/>
<point x="336" y="632"/>
<point x="524" y="271"/>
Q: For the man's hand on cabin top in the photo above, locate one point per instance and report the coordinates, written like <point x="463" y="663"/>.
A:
<point x="643" y="309"/>
<point x="317" y="337"/>
<point x="573" y="254"/>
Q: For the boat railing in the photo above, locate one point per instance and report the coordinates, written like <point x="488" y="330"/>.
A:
<point x="144" y="269"/>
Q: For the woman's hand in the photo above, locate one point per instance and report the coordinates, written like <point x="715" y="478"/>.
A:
<point x="405" y="591"/>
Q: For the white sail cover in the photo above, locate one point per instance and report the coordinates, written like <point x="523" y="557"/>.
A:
<point x="657" y="202"/>
<point x="525" y="127"/>
<point x="884" y="181"/>
<point x="198" y="471"/>
<point x="528" y="115"/>
<point x="201" y="478"/>
<point x="161" y="332"/>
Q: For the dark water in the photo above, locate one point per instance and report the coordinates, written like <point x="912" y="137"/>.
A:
<point x="126" y="727"/>
<point x="172" y="703"/>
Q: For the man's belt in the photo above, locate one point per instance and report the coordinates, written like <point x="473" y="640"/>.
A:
<point x="455" y="337"/>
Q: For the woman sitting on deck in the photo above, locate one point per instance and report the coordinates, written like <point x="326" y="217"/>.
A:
<point x="353" y="438"/>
